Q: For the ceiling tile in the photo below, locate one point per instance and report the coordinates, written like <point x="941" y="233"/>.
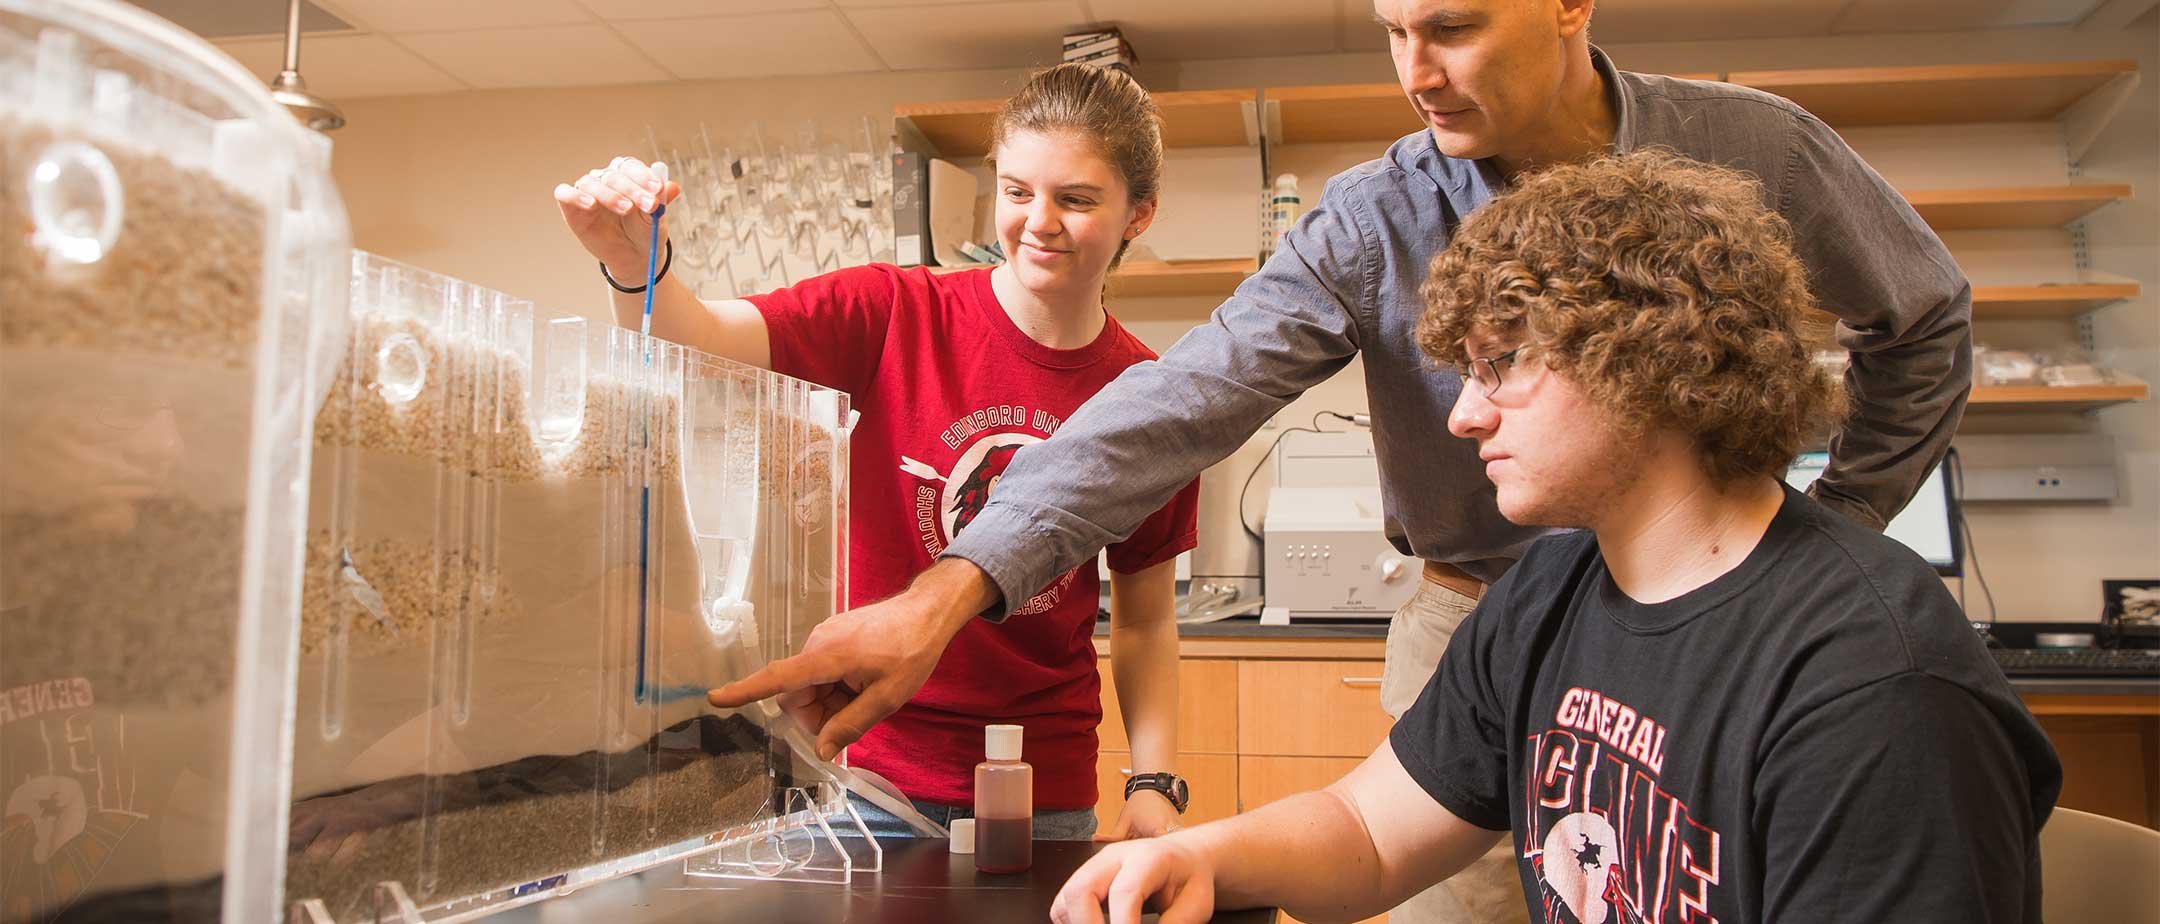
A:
<point x="1693" y="20"/>
<point x="549" y="56"/>
<point x="344" y="67"/>
<point x="452" y="15"/>
<point x="634" y="10"/>
<point x="975" y="35"/>
<point x="816" y="42"/>
<point x="1866" y="16"/>
<point x="216" y="19"/>
<point x="1197" y="29"/>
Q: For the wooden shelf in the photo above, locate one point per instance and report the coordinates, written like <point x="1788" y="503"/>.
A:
<point x="2063" y="399"/>
<point x="1206" y="118"/>
<point x="1939" y="95"/>
<point x="1191" y="119"/>
<point x="1155" y="279"/>
<point x="1350" y="112"/>
<point x="2019" y="207"/>
<point x="957" y="128"/>
<point x="2046" y="302"/>
<point x="1185" y="277"/>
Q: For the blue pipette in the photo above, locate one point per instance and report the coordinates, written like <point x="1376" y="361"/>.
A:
<point x="652" y="265"/>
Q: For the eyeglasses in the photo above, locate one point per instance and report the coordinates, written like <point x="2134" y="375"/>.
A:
<point x="1486" y="372"/>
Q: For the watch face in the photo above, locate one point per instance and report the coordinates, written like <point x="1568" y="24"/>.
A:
<point x="1171" y="787"/>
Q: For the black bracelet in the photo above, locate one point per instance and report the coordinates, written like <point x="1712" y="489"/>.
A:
<point x="626" y="290"/>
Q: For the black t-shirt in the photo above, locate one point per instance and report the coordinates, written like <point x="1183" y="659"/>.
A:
<point x="1816" y="735"/>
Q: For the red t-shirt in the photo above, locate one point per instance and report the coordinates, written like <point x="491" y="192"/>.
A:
<point x="949" y="388"/>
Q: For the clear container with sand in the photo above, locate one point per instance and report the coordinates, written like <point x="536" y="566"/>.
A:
<point x="533" y="545"/>
<point x="173" y="268"/>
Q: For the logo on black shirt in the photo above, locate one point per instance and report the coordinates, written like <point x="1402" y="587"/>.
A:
<point x="1610" y="846"/>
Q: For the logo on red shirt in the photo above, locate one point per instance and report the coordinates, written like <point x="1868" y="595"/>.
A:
<point x="941" y="514"/>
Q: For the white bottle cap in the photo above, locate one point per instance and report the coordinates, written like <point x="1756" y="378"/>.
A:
<point x="1002" y="742"/>
<point x="963" y="835"/>
<point x="1286" y="181"/>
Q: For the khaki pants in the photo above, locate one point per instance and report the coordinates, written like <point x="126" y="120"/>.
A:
<point x="1490" y="890"/>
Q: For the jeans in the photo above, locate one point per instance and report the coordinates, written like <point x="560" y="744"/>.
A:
<point x="1065" y="825"/>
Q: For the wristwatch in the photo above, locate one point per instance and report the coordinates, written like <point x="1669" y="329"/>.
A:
<point x="1172" y="788"/>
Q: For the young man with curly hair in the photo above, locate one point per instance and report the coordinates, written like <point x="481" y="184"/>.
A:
<point x="1721" y="701"/>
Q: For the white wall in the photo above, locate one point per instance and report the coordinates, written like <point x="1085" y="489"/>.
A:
<point x="460" y="184"/>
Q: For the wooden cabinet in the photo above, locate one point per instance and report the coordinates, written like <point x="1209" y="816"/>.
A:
<point x="1310" y="708"/>
<point x="1213" y="779"/>
<point x="1254" y="723"/>
<point x="1262" y="780"/>
<point x="1207" y="708"/>
<point x="2110" y="752"/>
<point x="1207" y="741"/>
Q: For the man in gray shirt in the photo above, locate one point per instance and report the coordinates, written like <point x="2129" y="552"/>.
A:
<point x="1504" y="86"/>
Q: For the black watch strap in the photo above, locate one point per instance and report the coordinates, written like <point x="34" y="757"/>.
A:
<point x="1169" y="784"/>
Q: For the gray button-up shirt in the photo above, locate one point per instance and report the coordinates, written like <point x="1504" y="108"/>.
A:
<point x="1346" y="279"/>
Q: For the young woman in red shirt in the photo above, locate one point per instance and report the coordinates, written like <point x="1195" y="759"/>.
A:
<point x="953" y="374"/>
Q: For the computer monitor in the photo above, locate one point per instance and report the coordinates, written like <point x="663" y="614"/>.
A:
<point x="1927" y="525"/>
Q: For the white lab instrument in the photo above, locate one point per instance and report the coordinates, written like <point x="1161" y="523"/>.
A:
<point x="1326" y="553"/>
<point x="2037" y="467"/>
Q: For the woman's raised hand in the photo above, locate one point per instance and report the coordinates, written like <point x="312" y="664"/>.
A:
<point x="610" y="211"/>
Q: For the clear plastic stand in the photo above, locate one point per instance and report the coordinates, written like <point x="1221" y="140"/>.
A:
<point x="393" y="906"/>
<point x="811" y="851"/>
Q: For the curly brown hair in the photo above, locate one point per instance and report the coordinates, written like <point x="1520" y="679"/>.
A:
<point x="1663" y="287"/>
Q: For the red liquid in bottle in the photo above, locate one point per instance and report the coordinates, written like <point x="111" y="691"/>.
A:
<point x="1004" y="845"/>
<point x="1004" y="804"/>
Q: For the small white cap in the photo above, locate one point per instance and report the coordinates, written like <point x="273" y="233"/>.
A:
<point x="1002" y="742"/>
<point x="1286" y="181"/>
<point x="963" y="835"/>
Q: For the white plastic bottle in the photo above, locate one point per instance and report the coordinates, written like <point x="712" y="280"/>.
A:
<point x="1285" y="207"/>
<point x="1004" y="804"/>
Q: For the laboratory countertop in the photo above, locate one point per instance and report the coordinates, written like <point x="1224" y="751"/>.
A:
<point x="2148" y="687"/>
<point x="921" y="882"/>
<point x="1245" y="637"/>
<point x="1250" y="627"/>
